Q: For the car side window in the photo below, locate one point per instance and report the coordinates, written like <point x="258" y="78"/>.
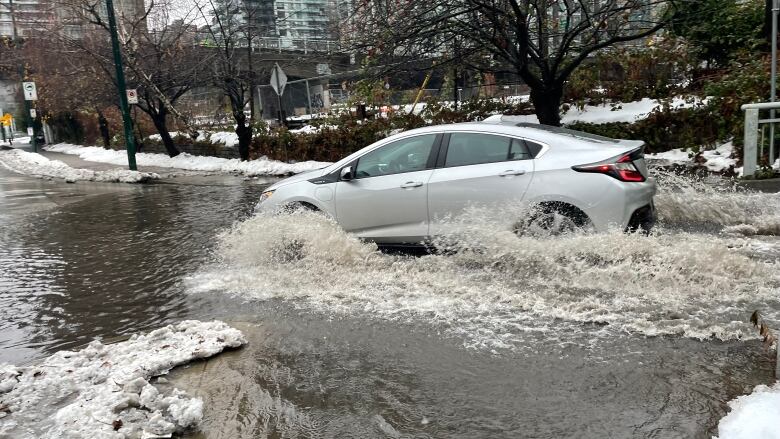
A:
<point x="473" y="149"/>
<point x="519" y="150"/>
<point x="405" y="155"/>
<point x="533" y="148"/>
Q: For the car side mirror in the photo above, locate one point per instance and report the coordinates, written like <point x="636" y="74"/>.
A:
<point x="346" y="173"/>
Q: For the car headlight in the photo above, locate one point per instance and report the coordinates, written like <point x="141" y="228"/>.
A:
<point x="266" y="195"/>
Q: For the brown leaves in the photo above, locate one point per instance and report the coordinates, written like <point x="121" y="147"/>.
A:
<point x="117" y="424"/>
<point x="764" y="330"/>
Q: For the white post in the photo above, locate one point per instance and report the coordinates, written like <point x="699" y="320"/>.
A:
<point x="308" y="97"/>
<point x="750" y="156"/>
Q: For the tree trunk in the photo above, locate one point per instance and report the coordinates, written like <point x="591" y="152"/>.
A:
<point x="244" y="136"/>
<point x="455" y="88"/>
<point x="547" y="103"/>
<point x="159" y="120"/>
<point x="104" y="131"/>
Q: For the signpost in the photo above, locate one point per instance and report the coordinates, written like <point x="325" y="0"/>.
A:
<point x="121" y="87"/>
<point x="30" y="94"/>
<point x="278" y="81"/>
<point x="30" y="91"/>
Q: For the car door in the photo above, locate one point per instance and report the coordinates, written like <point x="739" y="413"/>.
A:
<point x="479" y="169"/>
<point x="387" y="200"/>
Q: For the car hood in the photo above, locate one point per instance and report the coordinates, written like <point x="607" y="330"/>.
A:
<point x="297" y="178"/>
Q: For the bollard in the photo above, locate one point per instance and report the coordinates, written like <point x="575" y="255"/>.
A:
<point x="751" y="140"/>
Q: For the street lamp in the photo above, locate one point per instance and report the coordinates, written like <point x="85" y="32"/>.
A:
<point x="121" y="86"/>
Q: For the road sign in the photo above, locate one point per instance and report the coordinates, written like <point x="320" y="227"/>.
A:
<point x="30" y="92"/>
<point x="30" y="131"/>
<point x="6" y="119"/>
<point x="278" y="80"/>
<point x="132" y="96"/>
<point x="323" y="69"/>
<point x="33" y="113"/>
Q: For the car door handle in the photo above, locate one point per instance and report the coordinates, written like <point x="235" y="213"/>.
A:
<point x="410" y="184"/>
<point x="511" y="172"/>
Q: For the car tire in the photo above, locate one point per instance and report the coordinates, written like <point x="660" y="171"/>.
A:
<point x="552" y="219"/>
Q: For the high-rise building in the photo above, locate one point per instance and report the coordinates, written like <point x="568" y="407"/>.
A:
<point x="289" y="24"/>
<point x="25" y="18"/>
<point x="21" y="17"/>
<point x="304" y="19"/>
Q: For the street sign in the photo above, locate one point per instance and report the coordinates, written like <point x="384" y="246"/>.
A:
<point x="33" y="113"/>
<point x="132" y="96"/>
<point x="6" y="119"/>
<point x="30" y="131"/>
<point x="278" y="80"/>
<point x="30" y="92"/>
<point x="323" y="69"/>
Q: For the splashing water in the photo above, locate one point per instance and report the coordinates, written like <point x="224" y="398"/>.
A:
<point x="495" y="286"/>
<point x="692" y="203"/>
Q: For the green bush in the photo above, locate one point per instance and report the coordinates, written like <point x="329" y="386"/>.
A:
<point x="666" y="129"/>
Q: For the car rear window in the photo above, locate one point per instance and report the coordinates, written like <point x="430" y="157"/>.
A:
<point x="567" y="132"/>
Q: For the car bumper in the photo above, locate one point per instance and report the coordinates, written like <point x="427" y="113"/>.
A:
<point x="643" y="219"/>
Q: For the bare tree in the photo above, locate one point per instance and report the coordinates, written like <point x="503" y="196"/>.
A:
<point x="230" y="68"/>
<point x="541" y="41"/>
<point x="160" y="55"/>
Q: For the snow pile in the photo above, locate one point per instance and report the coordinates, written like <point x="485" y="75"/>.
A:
<point x="29" y="163"/>
<point x="311" y="129"/>
<point x="103" y="391"/>
<point x="715" y="160"/>
<point x="719" y="159"/>
<point x="616" y="112"/>
<point x="228" y="138"/>
<point x="754" y="416"/>
<point x="677" y="156"/>
<point x="188" y="161"/>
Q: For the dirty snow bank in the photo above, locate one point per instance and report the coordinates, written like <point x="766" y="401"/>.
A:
<point x="188" y="161"/>
<point x="753" y="416"/>
<point x="715" y="160"/>
<point x="29" y="163"/>
<point x="103" y="391"/>
<point x="617" y="112"/>
<point x="228" y="138"/>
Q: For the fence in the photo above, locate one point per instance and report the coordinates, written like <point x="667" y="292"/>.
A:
<point x="755" y="136"/>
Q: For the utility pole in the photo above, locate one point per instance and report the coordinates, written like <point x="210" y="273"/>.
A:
<point x="773" y="86"/>
<point x="22" y="73"/>
<point x="121" y="86"/>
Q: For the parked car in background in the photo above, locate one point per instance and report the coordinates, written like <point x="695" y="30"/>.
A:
<point x="401" y="189"/>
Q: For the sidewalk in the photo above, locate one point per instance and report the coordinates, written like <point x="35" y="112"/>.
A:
<point x="167" y="175"/>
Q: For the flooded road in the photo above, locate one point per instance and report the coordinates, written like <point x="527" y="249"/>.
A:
<point x="585" y="336"/>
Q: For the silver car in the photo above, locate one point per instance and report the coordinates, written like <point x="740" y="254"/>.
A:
<point x="402" y="189"/>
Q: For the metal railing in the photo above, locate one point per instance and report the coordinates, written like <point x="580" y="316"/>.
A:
<point x="752" y="130"/>
<point x="283" y="44"/>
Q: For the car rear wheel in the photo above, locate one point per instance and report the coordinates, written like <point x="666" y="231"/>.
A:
<point x="552" y="219"/>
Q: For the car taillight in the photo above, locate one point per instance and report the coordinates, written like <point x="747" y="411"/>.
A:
<point x="621" y="167"/>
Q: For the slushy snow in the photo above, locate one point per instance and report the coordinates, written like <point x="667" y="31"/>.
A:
<point x="716" y="160"/>
<point x="617" y="112"/>
<point x="28" y="163"/>
<point x="754" y="416"/>
<point x="103" y="391"/>
<point x="188" y="161"/>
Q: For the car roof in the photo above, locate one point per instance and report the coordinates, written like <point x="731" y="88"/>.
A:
<point x="508" y="125"/>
